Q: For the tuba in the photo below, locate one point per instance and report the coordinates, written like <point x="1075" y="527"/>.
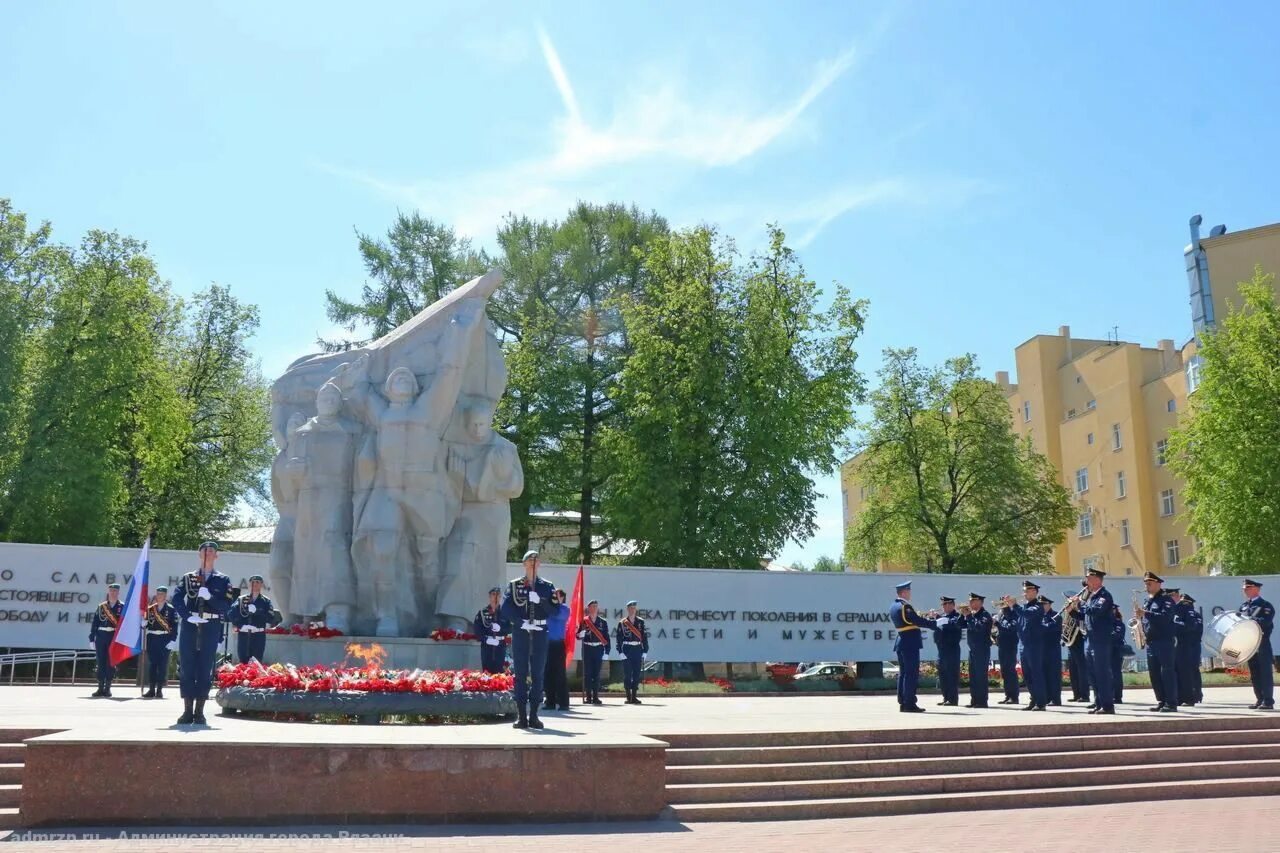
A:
<point x="1135" y="625"/>
<point x="1072" y="624"/>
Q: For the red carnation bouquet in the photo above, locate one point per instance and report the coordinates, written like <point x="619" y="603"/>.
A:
<point x="368" y="679"/>
<point x="312" y="631"/>
<point x="449" y="634"/>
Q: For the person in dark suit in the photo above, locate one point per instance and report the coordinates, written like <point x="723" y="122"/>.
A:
<point x="907" y="644"/>
<point x="946" y="636"/>
<point x="1007" y="640"/>
<point x="202" y="600"/>
<point x="491" y="628"/>
<point x="162" y="638"/>
<point x="977" y="624"/>
<point x="1261" y="665"/>
<point x="102" y="632"/>
<point x="1031" y="636"/>
<point x="1157" y="621"/>
<point x="525" y="607"/>
<point x="594" y="634"/>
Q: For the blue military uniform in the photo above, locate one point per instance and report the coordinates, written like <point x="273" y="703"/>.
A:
<point x="908" y="624"/>
<point x="594" y="634"/>
<point x="1052" y="652"/>
<point x="1188" y="628"/>
<point x="1007" y="628"/>
<point x="1077" y="663"/>
<point x="525" y="607"/>
<point x="1119" y="648"/>
<point x="1261" y="665"/>
<point x="946" y="636"/>
<point x="1157" y="623"/>
<point x="162" y="633"/>
<point x="492" y="630"/>
<point x="978" y="633"/>
<point x="106" y="619"/>
<point x="202" y="600"/>
<point x="253" y="615"/>
<point x="1031" y="636"/>
<point x="1098" y="614"/>
<point x="632" y="638"/>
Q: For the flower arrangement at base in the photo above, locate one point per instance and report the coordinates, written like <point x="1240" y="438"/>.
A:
<point x="449" y="634"/>
<point x="368" y="679"/>
<point x="311" y="630"/>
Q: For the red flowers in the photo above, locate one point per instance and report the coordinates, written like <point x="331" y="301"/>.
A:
<point x="322" y="679"/>
<point x="723" y="683"/>
<point x="447" y="634"/>
<point x="312" y="631"/>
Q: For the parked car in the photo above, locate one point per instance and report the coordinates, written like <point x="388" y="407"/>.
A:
<point x="834" y="671"/>
<point x="781" y="670"/>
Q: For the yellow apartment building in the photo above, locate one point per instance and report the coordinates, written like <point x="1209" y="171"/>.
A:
<point x="1101" y="411"/>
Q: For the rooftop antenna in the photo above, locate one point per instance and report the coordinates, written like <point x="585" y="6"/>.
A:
<point x="1113" y="336"/>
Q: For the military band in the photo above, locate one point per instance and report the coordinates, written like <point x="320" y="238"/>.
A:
<point x="1098" y="610"/>
<point x="492" y="630"/>
<point x="1157" y="626"/>
<point x="1007" y="644"/>
<point x="632" y="638"/>
<point x="106" y="619"/>
<point x="253" y="614"/>
<point x="1262" y="664"/>
<point x="1052" y="625"/>
<point x="1188" y="629"/>
<point x="202" y="600"/>
<point x="162" y="638"/>
<point x="978" y="624"/>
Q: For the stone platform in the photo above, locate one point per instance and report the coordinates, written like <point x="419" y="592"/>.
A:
<point x="591" y="763"/>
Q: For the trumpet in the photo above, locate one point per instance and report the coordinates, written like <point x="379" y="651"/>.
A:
<point x="1006" y="601"/>
<point x="1135" y="625"/>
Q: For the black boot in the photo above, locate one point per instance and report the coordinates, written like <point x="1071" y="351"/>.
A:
<point x="100" y="692"/>
<point x="534" y="722"/>
<point x="199" y="719"/>
<point x="635" y="700"/>
<point x="151" y="693"/>
<point x="187" y="717"/>
<point x="159" y="692"/>
<point x="523" y="721"/>
<point x="106" y="690"/>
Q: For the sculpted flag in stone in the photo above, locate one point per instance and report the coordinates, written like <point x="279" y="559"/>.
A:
<point x="393" y="488"/>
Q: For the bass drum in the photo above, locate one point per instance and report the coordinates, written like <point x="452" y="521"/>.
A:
<point x="1232" y="637"/>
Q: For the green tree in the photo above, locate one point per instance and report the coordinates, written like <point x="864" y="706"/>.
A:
<point x="950" y="487"/>
<point x="736" y="389"/>
<point x="418" y="262"/>
<point x="827" y="564"/>
<point x="1225" y="449"/>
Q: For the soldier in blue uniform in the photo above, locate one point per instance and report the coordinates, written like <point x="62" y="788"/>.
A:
<point x="1052" y="651"/>
<point x="252" y="615"/>
<point x="1007" y="628"/>
<point x="162" y="638"/>
<point x="1031" y="636"/>
<point x="946" y="636"/>
<point x="977" y="625"/>
<point x="1077" y="663"/>
<point x="1097" y="610"/>
<point x="594" y="635"/>
<point x="1261" y="665"/>
<point x="1157" y="622"/>
<point x="1189" y="625"/>
<point x="632" y="638"/>
<point x="202" y="600"/>
<point x="491" y="628"/>
<point x="525" y="608"/>
<point x="1119" y="648"/>
<point x="106" y="619"/>
<point x="908" y="624"/>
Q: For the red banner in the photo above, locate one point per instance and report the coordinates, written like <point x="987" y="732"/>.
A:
<point x="576" y="609"/>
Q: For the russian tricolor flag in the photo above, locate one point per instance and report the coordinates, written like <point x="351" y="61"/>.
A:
<point x="133" y="621"/>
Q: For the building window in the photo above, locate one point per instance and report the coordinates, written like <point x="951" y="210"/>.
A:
<point x="1090" y="563"/>
<point x="1128" y="570"/>
<point x="1120" y="488"/>
<point x="862" y="493"/>
<point x="1089" y="438"/>
<point x="1115" y="437"/>
<point x="1172" y="554"/>
<point x="1124" y="533"/>
<point x="1162" y="449"/>
<point x="1026" y="412"/>
<point x="1172" y="406"/>
<point x="1166" y="502"/>
<point x="1086" y="525"/>
<point x="1071" y="413"/>
<point x="1091" y="405"/>
<point x="1082" y="480"/>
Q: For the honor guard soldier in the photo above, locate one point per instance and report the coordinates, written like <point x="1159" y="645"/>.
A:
<point x="252" y="615"/>
<point x="1077" y="663"/>
<point x="1157" y="623"/>
<point x="162" y="638"/>
<point x="525" y="608"/>
<point x="1098" y="610"/>
<point x="106" y="619"/>
<point x="632" y="638"/>
<point x="1261" y="665"/>
<point x="1119" y="649"/>
<point x="1052" y="651"/>
<point x="1007" y="645"/>
<point x="594" y="634"/>
<point x="492" y="630"/>
<point x="202" y="600"/>
<point x="1189" y="625"/>
<point x="977" y="624"/>
<point x="1031" y="636"/>
<point x="908" y="643"/>
<point x="946" y="636"/>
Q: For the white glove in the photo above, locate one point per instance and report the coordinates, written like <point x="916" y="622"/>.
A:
<point x="493" y="641"/>
<point x="253" y="608"/>
<point x="196" y="620"/>
<point x="204" y="593"/>
<point x="173" y="645"/>
<point x="644" y="656"/>
<point x="534" y="597"/>
<point x="526" y="625"/>
<point x="495" y="628"/>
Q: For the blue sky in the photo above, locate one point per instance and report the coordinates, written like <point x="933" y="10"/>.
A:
<point x="981" y="172"/>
